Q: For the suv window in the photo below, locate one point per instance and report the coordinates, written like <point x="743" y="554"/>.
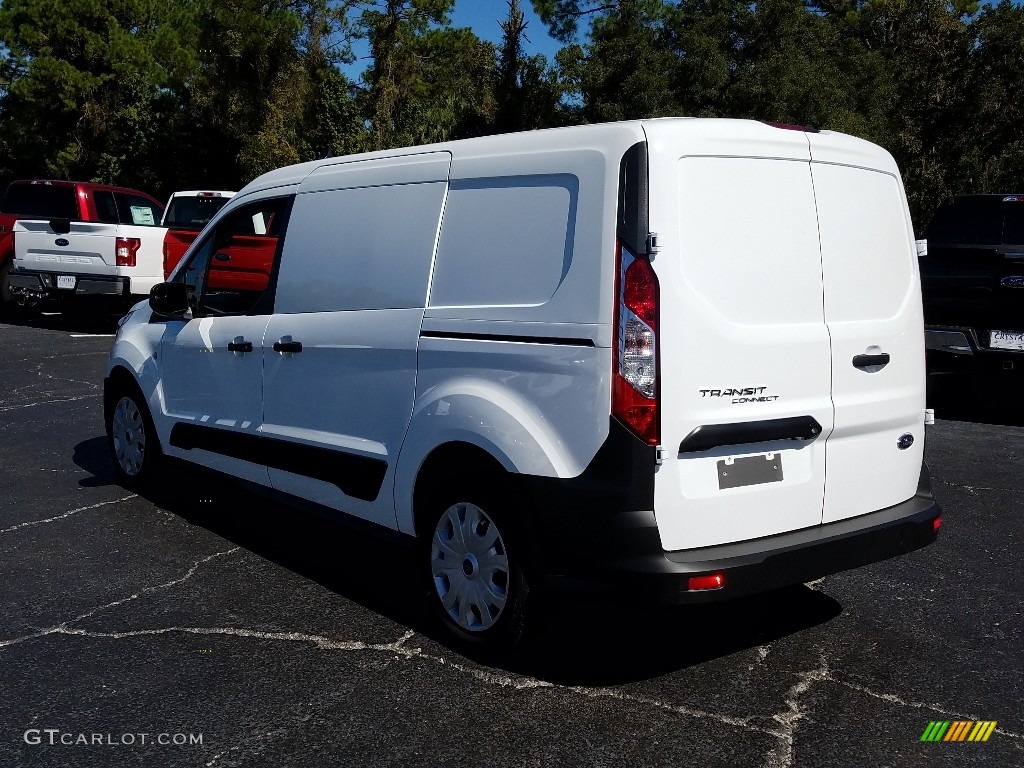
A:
<point x="1013" y="223"/>
<point x="988" y="220"/>
<point x="40" y="201"/>
<point x="192" y="212"/>
<point x="133" y="209"/>
<point x="229" y="272"/>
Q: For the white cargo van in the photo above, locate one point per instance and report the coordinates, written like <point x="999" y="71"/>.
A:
<point x="683" y="356"/>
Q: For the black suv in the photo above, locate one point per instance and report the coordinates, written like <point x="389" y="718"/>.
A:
<point x="972" y="279"/>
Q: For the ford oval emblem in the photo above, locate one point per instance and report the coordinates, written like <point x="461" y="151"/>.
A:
<point x="62" y="241"/>
<point x="1012" y="281"/>
<point x="905" y="441"/>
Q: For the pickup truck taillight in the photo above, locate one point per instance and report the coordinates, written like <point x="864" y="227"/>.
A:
<point x="125" y="250"/>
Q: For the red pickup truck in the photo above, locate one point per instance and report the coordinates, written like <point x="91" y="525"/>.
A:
<point x="76" y="201"/>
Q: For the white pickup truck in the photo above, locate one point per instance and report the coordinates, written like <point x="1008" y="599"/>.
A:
<point x="60" y="258"/>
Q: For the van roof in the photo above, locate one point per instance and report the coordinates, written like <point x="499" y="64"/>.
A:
<point x="829" y="145"/>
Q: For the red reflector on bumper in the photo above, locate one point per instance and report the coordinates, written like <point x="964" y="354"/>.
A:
<point x="936" y="523"/>
<point x="713" y="581"/>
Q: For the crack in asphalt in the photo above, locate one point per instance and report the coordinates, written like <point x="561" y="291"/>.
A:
<point x="64" y="627"/>
<point x="973" y="489"/>
<point x="66" y="514"/>
<point x="788" y="719"/>
<point x="19" y="393"/>
<point x="5" y="408"/>
<point x="892" y="699"/>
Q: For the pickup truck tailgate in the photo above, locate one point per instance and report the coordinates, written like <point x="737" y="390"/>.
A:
<point x="88" y="248"/>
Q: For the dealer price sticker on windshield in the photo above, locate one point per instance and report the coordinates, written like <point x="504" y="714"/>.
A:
<point x="1007" y="340"/>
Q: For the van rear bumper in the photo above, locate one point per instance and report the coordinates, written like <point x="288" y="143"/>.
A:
<point x="626" y="559"/>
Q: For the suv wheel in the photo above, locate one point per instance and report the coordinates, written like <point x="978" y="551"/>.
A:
<point x="131" y="438"/>
<point x="478" y="569"/>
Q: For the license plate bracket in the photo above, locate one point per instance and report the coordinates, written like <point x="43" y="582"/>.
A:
<point x="66" y="282"/>
<point x="1013" y="340"/>
<point x="750" y="470"/>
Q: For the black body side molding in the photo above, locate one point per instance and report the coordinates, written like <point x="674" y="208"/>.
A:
<point x="358" y="476"/>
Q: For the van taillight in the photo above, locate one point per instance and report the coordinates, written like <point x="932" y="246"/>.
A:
<point x="635" y="381"/>
<point x="125" y="249"/>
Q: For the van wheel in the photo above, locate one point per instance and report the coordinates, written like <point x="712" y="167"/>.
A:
<point x="15" y="303"/>
<point x="478" y="568"/>
<point x="131" y="438"/>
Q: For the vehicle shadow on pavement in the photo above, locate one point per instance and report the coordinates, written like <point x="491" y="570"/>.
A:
<point x="93" y="456"/>
<point x="86" y="320"/>
<point x="581" y="639"/>
<point x="612" y="642"/>
<point x="979" y="398"/>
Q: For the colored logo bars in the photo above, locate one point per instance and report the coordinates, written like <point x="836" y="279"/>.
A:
<point x="958" y="730"/>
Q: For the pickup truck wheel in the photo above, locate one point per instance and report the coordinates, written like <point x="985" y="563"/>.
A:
<point x="131" y="438"/>
<point x="15" y="303"/>
<point x="478" y="567"/>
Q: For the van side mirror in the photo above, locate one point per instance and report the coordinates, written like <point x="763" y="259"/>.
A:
<point x="169" y="299"/>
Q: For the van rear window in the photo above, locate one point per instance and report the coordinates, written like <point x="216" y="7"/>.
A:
<point x="40" y="201"/>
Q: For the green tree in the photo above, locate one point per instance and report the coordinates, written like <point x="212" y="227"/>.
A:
<point x="993" y="121"/>
<point x="527" y="91"/>
<point x="87" y="86"/>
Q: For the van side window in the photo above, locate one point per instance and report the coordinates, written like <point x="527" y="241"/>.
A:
<point x="487" y="255"/>
<point x="229" y="271"/>
<point x="361" y="248"/>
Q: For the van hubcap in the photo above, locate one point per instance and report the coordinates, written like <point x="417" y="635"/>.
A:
<point x="129" y="433"/>
<point x="470" y="567"/>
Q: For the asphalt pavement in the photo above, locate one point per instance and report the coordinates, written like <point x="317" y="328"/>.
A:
<point x="206" y="626"/>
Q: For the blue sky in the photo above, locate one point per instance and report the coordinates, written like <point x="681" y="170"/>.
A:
<point x="482" y="17"/>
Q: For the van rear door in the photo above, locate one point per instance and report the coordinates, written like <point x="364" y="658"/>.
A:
<point x="745" y="359"/>
<point x="874" y="317"/>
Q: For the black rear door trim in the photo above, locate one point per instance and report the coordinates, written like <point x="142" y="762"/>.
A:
<point x="706" y="437"/>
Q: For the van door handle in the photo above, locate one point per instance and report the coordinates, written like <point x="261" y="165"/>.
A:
<point x="867" y="361"/>
<point x="239" y="345"/>
<point x="287" y="346"/>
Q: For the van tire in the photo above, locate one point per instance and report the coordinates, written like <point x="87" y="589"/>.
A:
<point x="131" y="438"/>
<point x="466" y="596"/>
